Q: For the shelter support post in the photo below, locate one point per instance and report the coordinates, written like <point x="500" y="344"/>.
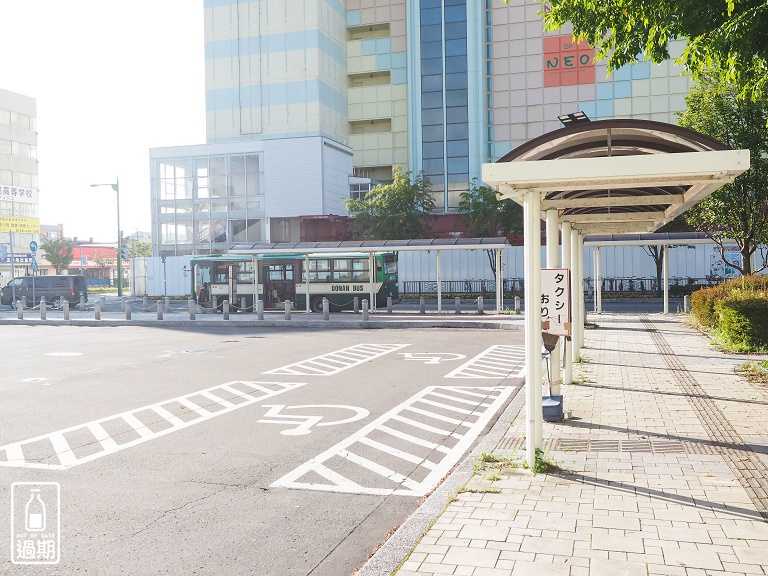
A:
<point x="306" y="280"/>
<point x="577" y="296"/>
<point x="373" y="277"/>
<point x="499" y="283"/>
<point x="666" y="279"/>
<point x="553" y="261"/>
<point x="567" y="343"/>
<point x="582" y="306"/>
<point x="532" y="260"/>
<point x="598" y="284"/>
<point x="439" y="286"/>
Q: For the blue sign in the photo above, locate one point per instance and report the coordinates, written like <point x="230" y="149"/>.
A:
<point x="34" y="265"/>
<point x="33" y="246"/>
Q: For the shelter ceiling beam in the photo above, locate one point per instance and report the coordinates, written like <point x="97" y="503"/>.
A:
<point x="651" y="199"/>
<point x="614" y="217"/>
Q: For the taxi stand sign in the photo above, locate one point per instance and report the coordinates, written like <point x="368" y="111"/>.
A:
<point x="556" y="300"/>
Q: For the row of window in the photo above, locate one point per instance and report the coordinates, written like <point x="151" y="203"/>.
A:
<point x="17" y="119"/>
<point x="206" y="166"/>
<point x="214" y="187"/>
<point x="22" y="179"/>
<point x="13" y="148"/>
<point x="435" y="15"/>
<point x="339" y="270"/>
<point x="25" y="209"/>
<point x="205" y="207"/>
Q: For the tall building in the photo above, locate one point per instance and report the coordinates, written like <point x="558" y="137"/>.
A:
<point x="307" y="103"/>
<point x="18" y="182"/>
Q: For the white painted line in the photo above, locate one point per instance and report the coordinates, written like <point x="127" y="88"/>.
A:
<point x="445" y="406"/>
<point x="454" y="399"/>
<point x="498" y="361"/>
<point x="187" y="403"/>
<point x="216" y="399"/>
<point x="315" y="367"/>
<point x="405" y="486"/>
<point x="67" y="458"/>
<point x="412" y="439"/>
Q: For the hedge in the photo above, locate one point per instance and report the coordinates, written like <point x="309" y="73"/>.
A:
<point x="743" y="322"/>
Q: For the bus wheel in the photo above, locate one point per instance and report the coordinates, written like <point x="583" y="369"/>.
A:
<point x="316" y="304"/>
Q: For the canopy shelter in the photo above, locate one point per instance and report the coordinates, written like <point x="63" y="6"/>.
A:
<point x="607" y="177"/>
<point x="372" y="246"/>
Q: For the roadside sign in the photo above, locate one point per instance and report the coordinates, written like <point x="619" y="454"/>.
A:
<point x="19" y="224"/>
<point x="556" y="300"/>
<point x="34" y="265"/>
<point x="33" y="246"/>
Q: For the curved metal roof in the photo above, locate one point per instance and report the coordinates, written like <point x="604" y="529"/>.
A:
<point x="372" y="245"/>
<point x="617" y="176"/>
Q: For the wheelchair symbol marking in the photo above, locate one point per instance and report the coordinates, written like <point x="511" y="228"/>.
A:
<point x="304" y="424"/>
<point x="431" y="357"/>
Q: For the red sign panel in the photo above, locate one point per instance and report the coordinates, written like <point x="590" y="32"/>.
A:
<point x="567" y="63"/>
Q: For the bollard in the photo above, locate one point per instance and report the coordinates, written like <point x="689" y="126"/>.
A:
<point x="422" y="305"/>
<point x="687" y="304"/>
<point x="457" y="305"/>
<point x="480" y="306"/>
<point x="517" y="304"/>
<point x="145" y="303"/>
<point x="365" y="310"/>
<point x="42" y="308"/>
<point x="191" y="309"/>
<point x="356" y="305"/>
<point x="97" y="309"/>
<point x="103" y="301"/>
<point x="225" y="309"/>
<point x="19" y="309"/>
<point x="243" y="305"/>
<point x="167" y="305"/>
<point x="287" y="309"/>
<point x="260" y="309"/>
<point x="159" y="311"/>
<point x="326" y="309"/>
<point x="65" y="309"/>
<point x="127" y="307"/>
<point x="389" y="304"/>
<point x="82" y="302"/>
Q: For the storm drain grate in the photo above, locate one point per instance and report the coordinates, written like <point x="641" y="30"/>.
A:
<point x="639" y="446"/>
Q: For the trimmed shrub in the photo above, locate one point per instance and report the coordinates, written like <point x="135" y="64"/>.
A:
<point x="705" y="301"/>
<point x="742" y="322"/>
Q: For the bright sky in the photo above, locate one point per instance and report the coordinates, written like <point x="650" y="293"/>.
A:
<point x="112" y="79"/>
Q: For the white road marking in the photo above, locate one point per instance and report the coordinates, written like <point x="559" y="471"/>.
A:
<point x="499" y="361"/>
<point x="431" y="357"/>
<point x="317" y="367"/>
<point x="63" y="354"/>
<point x="401" y="453"/>
<point x="304" y="423"/>
<point x="63" y="456"/>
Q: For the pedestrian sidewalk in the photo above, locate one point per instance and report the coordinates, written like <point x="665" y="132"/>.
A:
<point x="661" y="470"/>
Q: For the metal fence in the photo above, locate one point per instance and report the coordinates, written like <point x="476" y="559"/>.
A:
<point x="514" y="286"/>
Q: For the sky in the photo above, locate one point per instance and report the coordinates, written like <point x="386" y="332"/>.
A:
<point x="112" y="79"/>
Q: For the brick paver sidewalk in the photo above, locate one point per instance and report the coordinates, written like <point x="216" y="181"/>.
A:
<point x="662" y="471"/>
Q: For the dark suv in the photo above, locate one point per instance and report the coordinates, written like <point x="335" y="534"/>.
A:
<point x="55" y="289"/>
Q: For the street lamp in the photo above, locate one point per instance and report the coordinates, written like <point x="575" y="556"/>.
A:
<point x="116" y="188"/>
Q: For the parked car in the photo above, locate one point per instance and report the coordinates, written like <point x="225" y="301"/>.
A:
<point x="55" y="289"/>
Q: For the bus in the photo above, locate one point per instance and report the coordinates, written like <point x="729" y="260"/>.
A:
<point x="287" y="276"/>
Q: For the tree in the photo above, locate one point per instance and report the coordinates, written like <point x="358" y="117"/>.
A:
<point x="139" y="249"/>
<point x="58" y="252"/>
<point x="738" y="211"/>
<point x="103" y="259"/>
<point x="656" y="252"/>
<point x="727" y="35"/>
<point x="400" y="209"/>
<point x="489" y="216"/>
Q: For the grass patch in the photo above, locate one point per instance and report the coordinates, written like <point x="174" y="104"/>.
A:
<point x="543" y="463"/>
<point x="754" y="371"/>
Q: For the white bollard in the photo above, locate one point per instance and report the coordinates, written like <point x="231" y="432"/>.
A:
<point x="687" y="304"/>
<point x="159" y="310"/>
<point x="19" y="309"/>
<point x="356" y="305"/>
<point x="422" y="305"/>
<point x="287" y="309"/>
<point x="389" y="304"/>
<point x="480" y="306"/>
<point x="365" y="310"/>
<point x="225" y="310"/>
<point x="127" y="307"/>
<point x="242" y="304"/>
<point x="65" y="309"/>
<point x="97" y="309"/>
<point x="145" y="303"/>
<point x="82" y="302"/>
<point x="517" y="304"/>
<point x="103" y="301"/>
<point x="326" y="309"/>
<point x="191" y="305"/>
<point x="42" y="308"/>
<point x="167" y="304"/>
<point x="457" y="305"/>
<point x="260" y="309"/>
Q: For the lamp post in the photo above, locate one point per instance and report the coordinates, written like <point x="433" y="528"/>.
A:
<point x="116" y="188"/>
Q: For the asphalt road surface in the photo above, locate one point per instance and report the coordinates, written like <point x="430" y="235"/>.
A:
<point x="234" y="451"/>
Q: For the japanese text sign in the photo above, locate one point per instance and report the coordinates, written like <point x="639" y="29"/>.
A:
<point x="556" y="300"/>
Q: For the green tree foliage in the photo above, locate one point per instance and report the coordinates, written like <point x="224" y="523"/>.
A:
<point x="58" y="252"/>
<point x="737" y="211"/>
<point x="398" y="210"/>
<point x="489" y="216"/>
<point x="139" y="249"/>
<point x="727" y="35"/>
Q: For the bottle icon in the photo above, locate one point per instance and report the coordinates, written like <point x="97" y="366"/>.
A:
<point x="34" y="512"/>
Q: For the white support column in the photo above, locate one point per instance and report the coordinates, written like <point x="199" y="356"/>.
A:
<point x="598" y="283"/>
<point x="372" y="276"/>
<point x="567" y="345"/>
<point x="666" y="279"/>
<point x="306" y="281"/>
<point x="576" y="295"/>
<point x="499" y="283"/>
<point x="439" y="286"/>
<point x="582" y="307"/>
<point x="553" y="261"/>
<point x="532" y="276"/>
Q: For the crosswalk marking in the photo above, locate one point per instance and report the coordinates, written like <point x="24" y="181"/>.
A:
<point x="396" y="453"/>
<point x="327" y="365"/>
<point x="498" y="361"/>
<point x="61" y="455"/>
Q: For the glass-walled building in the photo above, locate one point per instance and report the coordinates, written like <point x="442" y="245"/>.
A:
<point x="19" y="197"/>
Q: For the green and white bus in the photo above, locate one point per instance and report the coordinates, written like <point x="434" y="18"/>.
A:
<point x="287" y="276"/>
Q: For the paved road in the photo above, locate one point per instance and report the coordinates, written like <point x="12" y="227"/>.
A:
<point x="240" y="451"/>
